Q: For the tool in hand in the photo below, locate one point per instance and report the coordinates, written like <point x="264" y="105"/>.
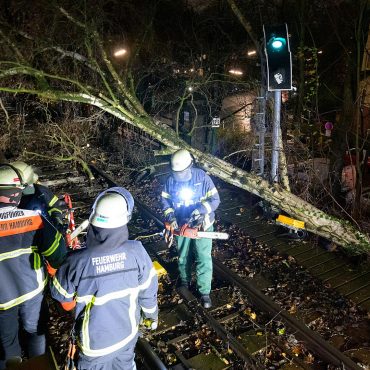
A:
<point x="79" y="229"/>
<point x="192" y="233"/>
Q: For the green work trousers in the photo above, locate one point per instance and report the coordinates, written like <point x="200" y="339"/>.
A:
<point x="200" y="252"/>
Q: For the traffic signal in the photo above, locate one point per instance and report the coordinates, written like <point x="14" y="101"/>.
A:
<point x="278" y="57"/>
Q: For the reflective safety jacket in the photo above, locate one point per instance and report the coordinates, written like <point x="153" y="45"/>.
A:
<point x="26" y="237"/>
<point x="204" y="198"/>
<point x="113" y="282"/>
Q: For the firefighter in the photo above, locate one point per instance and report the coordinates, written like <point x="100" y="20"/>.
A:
<point x="113" y="285"/>
<point x="25" y="239"/>
<point x="190" y="197"/>
<point x="39" y="197"/>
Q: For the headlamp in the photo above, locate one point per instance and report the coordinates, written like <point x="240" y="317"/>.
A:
<point x="186" y="194"/>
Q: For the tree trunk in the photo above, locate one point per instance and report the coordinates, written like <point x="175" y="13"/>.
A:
<point x="339" y="231"/>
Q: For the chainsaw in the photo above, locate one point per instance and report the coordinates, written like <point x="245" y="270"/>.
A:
<point x="190" y="232"/>
<point x="168" y="233"/>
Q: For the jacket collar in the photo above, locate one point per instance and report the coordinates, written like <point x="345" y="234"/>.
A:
<point x="106" y="238"/>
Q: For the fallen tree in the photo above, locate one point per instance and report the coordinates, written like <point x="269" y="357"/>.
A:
<point x="116" y="96"/>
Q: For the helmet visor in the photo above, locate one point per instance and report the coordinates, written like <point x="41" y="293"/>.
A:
<point x="182" y="176"/>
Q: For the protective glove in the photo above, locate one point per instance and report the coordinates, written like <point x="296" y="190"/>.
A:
<point x="151" y="324"/>
<point x="196" y="218"/>
<point x="171" y="220"/>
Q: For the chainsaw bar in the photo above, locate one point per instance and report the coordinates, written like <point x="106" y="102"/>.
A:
<point x="79" y="229"/>
<point x="213" y="235"/>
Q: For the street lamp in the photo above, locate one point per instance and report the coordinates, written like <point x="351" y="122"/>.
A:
<point x="236" y="72"/>
<point x="120" y="52"/>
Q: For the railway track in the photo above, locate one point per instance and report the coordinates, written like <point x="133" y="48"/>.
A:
<point x="245" y="329"/>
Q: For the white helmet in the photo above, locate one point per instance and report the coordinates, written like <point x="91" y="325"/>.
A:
<point x="27" y="172"/>
<point x="11" y="185"/>
<point x="181" y="160"/>
<point x="112" y="208"/>
<point x="10" y="177"/>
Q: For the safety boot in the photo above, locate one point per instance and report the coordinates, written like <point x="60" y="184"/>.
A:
<point x="184" y="284"/>
<point x="206" y="301"/>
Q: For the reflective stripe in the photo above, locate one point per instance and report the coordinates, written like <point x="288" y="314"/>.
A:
<point x="53" y="201"/>
<point x="168" y="211"/>
<point x="149" y="310"/>
<point x="54" y="246"/>
<point x="85" y="345"/>
<point x="98" y="301"/>
<point x="20" y="225"/>
<point x="185" y="203"/>
<point x="165" y="195"/>
<point x="209" y="194"/>
<point x="25" y="297"/>
<point x="50" y="211"/>
<point x="85" y="324"/>
<point x="207" y="222"/>
<point x="61" y="290"/>
<point x="14" y="254"/>
<point x="91" y="300"/>
<point x="207" y="206"/>
<point x="146" y="284"/>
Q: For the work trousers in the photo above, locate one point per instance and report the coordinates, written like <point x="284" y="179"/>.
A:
<point x="200" y="252"/>
<point x="119" y="360"/>
<point x="32" y="316"/>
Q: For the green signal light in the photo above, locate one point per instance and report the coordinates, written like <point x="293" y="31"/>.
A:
<point x="277" y="43"/>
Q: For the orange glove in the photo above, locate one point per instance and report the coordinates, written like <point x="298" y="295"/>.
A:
<point x="51" y="270"/>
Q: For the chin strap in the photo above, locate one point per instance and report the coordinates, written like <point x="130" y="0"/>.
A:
<point x="10" y="196"/>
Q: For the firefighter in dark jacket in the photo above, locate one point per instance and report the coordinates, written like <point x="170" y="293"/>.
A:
<point x="39" y="197"/>
<point x="190" y="197"/>
<point x="26" y="238"/>
<point x="113" y="285"/>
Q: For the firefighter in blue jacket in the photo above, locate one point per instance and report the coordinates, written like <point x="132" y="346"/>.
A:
<point x="190" y="197"/>
<point x="25" y="239"/>
<point x="113" y="285"/>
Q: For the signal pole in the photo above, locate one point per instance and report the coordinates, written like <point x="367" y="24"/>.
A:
<point x="275" y="137"/>
<point x="279" y="77"/>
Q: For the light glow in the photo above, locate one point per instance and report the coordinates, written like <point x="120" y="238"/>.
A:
<point x="236" y="72"/>
<point x="252" y="52"/>
<point x="120" y="52"/>
<point x="277" y="44"/>
<point x="186" y="194"/>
